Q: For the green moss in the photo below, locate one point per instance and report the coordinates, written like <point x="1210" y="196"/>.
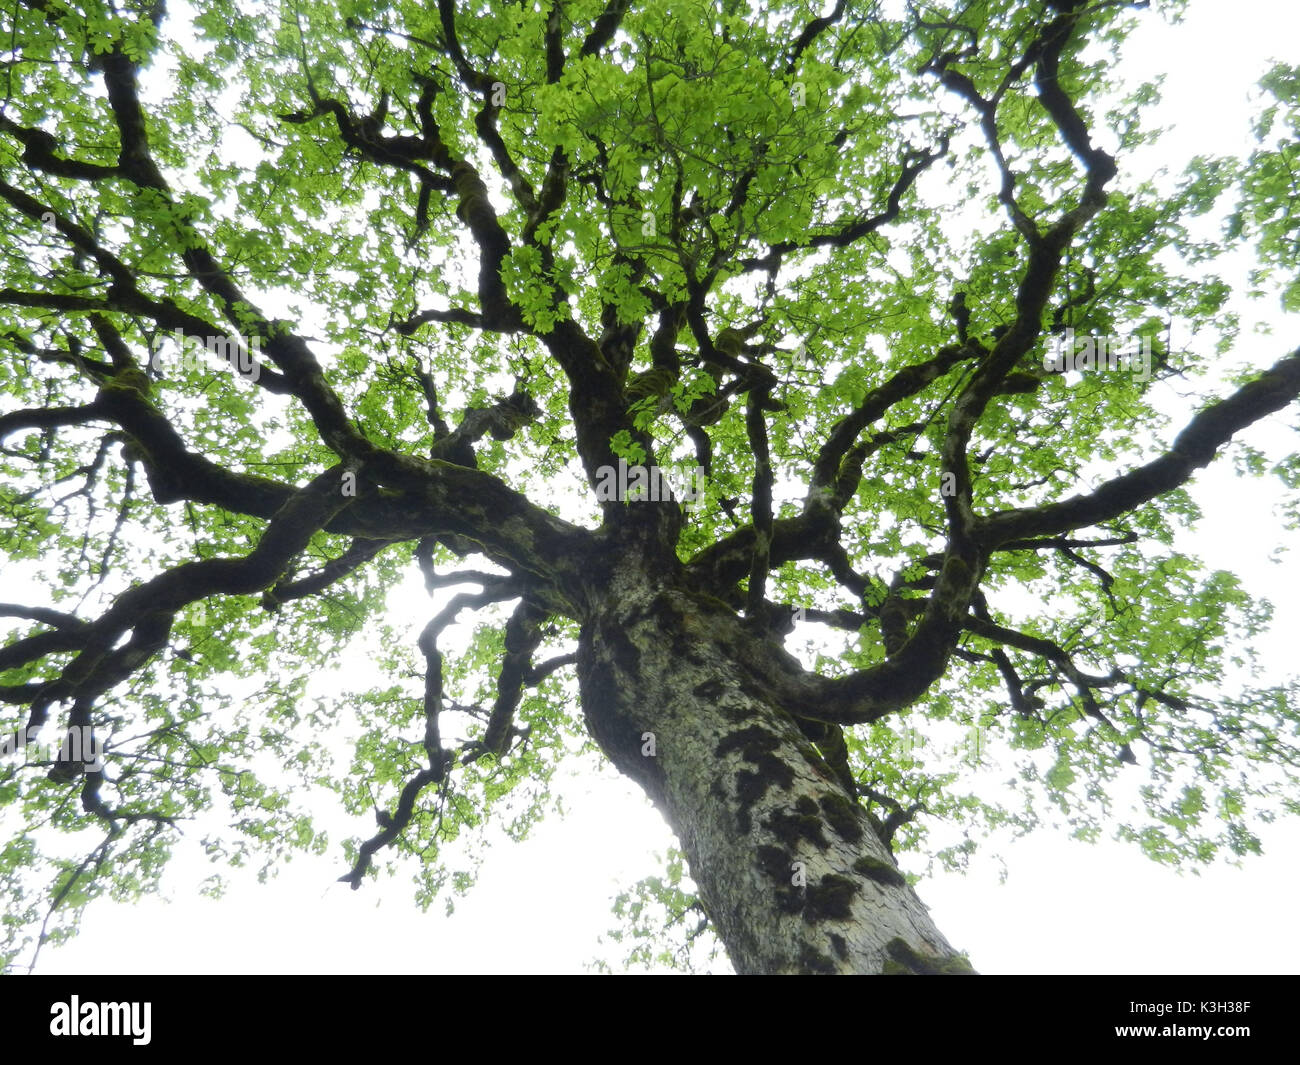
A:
<point x="813" y="757"/>
<point x="750" y="787"/>
<point x="130" y="379"/>
<point x="841" y="947"/>
<point x="814" y="961"/>
<point x="880" y="872"/>
<point x="752" y="743"/>
<point x="755" y="746"/>
<point x="843" y="816"/>
<point x="831" y="899"/>
<point x="775" y="863"/>
<point x="776" y="771"/>
<point x="791" y="828"/>
<point x="903" y="960"/>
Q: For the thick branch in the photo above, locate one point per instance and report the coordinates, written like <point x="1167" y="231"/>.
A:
<point x="1194" y="447"/>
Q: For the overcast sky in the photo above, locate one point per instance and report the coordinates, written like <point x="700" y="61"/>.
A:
<point x="1064" y="907"/>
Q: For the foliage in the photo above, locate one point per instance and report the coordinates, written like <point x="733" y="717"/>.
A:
<point x="477" y="257"/>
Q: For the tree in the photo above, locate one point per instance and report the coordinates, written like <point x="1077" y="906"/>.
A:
<point x="661" y="311"/>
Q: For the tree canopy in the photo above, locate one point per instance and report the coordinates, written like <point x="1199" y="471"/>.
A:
<point x="297" y="298"/>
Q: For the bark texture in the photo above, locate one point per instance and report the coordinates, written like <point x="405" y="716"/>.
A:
<point x="790" y="869"/>
<point x="690" y="695"/>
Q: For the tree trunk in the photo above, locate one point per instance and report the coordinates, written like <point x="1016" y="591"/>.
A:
<point x="790" y="870"/>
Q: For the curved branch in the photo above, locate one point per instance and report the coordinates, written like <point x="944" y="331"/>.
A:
<point x="1193" y="448"/>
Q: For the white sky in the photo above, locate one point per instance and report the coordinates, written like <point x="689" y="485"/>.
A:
<point x="1065" y="906"/>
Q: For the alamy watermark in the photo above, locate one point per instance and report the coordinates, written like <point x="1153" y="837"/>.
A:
<point x="77" y="1018"/>
<point x="79" y="745"/>
<point x="654" y="484"/>
<point x="240" y="352"/>
<point x="1084" y="353"/>
<point x="972" y="747"/>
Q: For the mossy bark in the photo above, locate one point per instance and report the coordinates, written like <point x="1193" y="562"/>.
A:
<point x="789" y="868"/>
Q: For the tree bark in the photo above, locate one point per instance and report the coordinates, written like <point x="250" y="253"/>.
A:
<point x="790" y="870"/>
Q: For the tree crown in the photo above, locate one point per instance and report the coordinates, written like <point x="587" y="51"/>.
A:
<point x="468" y="267"/>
